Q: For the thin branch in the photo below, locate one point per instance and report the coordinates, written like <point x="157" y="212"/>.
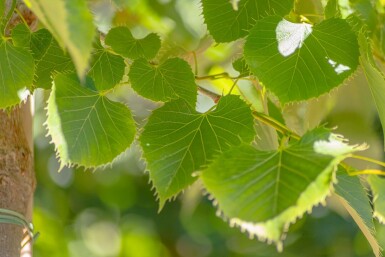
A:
<point x="223" y="75"/>
<point x="275" y="124"/>
<point x="214" y="96"/>
<point x="195" y="63"/>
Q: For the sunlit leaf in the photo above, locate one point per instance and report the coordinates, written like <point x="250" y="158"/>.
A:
<point x="122" y="42"/>
<point x="172" y="79"/>
<point x="49" y="58"/>
<point x="71" y="23"/>
<point x="106" y="69"/>
<point x="355" y="199"/>
<point x="263" y="192"/>
<point x="87" y="128"/>
<point x="16" y="73"/>
<point x="298" y="61"/>
<point x="375" y="78"/>
<point x="227" y="23"/>
<point x="178" y="141"/>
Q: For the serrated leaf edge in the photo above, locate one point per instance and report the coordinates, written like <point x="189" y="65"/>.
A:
<point x="58" y="155"/>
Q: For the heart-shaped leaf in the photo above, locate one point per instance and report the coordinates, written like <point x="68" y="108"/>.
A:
<point x="122" y="42"/>
<point x="172" y="79"/>
<point x="177" y="140"/>
<point x="106" y="69"/>
<point x="298" y="61"/>
<point x="87" y="128"/>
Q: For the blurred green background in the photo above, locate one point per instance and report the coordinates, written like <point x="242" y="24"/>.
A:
<point x="113" y="212"/>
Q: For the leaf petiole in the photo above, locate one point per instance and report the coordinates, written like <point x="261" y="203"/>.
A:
<point x="222" y="75"/>
<point x="276" y="125"/>
<point x="368" y="159"/>
<point x="367" y="172"/>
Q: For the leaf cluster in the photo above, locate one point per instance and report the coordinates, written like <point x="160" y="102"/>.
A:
<point x="261" y="184"/>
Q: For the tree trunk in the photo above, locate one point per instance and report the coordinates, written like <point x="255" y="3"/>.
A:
<point x="17" y="180"/>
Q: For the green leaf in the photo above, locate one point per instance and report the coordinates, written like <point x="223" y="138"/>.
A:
<point x="332" y="9"/>
<point x="87" y="128"/>
<point x="298" y="61"/>
<point x="172" y="79"/>
<point x="49" y="58"/>
<point x="354" y="198"/>
<point x="377" y="185"/>
<point x="374" y="77"/>
<point x="240" y="65"/>
<point x="71" y="23"/>
<point x="107" y="69"/>
<point x="365" y="10"/>
<point x="2" y="10"/>
<point x="263" y="192"/>
<point x="122" y="42"/>
<point x="16" y="73"/>
<point x="178" y="141"/>
<point x="21" y="36"/>
<point x="227" y="23"/>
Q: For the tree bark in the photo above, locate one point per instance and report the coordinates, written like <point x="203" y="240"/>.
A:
<point x="17" y="180"/>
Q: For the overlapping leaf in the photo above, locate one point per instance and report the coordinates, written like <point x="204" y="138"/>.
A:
<point x="71" y="23"/>
<point x="298" y="61"/>
<point x="87" y="128"/>
<point x="21" y="36"/>
<point x="332" y="9"/>
<point x="375" y="78"/>
<point x="49" y="58"/>
<point x="227" y="23"/>
<point x="264" y="191"/>
<point x="178" y="141"/>
<point x="240" y="65"/>
<point x="16" y="73"/>
<point x="354" y="198"/>
<point x="106" y="69"/>
<point x="122" y="42"/>
<point x="172" y="79"/>
<point x="377" y="185"/>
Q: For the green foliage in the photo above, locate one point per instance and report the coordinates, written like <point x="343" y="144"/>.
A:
<point x="172" y="79"/>
<point x="227" y="23"/>
<point x="122" y="42"/>
<point x="309" y="60"/>
<point x="106" y="69"/>
<point x="177" y="140"/>
<point x="87" y="128"/>
<point x="16" y="70"/>
<point x="377" y="185"/>
<point x="21" y="36"/>
<point x="355" y="199"/>
<point x="71" y="24"/>
<point x="50" y="59"/>
<point x="234" y="124"/>
<point x="374" y="76"/>
<point x="264" y="192"/>
<point x="332" y="9"/>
